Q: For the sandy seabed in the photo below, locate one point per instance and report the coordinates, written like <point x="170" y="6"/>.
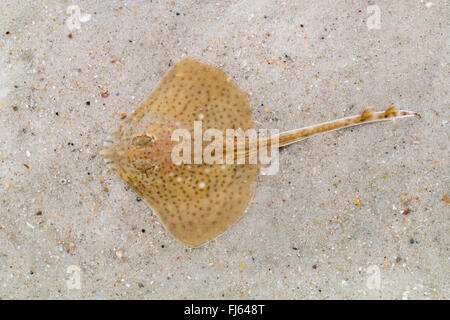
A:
<point x="360" y="213"/>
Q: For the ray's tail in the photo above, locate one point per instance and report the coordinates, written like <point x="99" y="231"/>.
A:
<point x="367" y="116"/>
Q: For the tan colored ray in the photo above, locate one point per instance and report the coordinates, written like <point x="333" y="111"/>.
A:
<point x="198" y="202"/>
<point x="194" y="202"/>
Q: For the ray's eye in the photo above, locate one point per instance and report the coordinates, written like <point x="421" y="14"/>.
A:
<point x="142" y="141"/>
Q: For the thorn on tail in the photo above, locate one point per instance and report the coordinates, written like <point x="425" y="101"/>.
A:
<point x="391" y="112"/>
<point x="367" y="115"/>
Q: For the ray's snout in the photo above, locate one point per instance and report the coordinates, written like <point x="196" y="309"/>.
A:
<point x="109" y="151"/>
